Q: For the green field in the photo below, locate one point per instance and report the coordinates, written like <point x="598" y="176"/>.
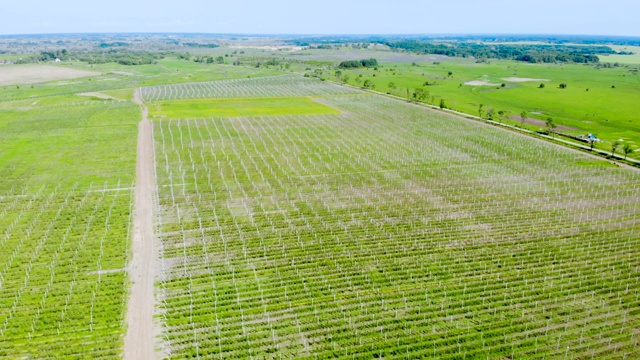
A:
<point x="66" y="177"/>
<point x="298" y="218"/>
<point x="391" y="231"/>
<point x="623" y="59"/>
<point x="205" y="108"/>
<point x="597" y="101"/>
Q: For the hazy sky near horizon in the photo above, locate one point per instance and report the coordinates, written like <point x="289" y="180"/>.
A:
<point x="614" y="17"/>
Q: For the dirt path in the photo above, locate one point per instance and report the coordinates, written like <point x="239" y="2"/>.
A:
<point x="139" y="342"/>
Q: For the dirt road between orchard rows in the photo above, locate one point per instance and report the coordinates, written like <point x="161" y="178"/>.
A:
<point x="139" y="342"/>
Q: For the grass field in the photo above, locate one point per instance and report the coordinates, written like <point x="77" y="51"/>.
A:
<point x="66" y="175"/>
<point x="602" y="102"/>
<point x="206" y="108"/>
<point x="624" y="59"/>
<point x="394" y="232"/>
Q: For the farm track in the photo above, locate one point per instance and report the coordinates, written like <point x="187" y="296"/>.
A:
<point x="139" y="340"/>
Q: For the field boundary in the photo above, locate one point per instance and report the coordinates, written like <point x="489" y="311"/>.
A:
<point x="583" y="149"/>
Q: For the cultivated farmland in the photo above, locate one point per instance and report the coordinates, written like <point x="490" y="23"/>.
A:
<point x="274" y="86"/>
<point x="387" y="231"/>
<point x="66" y="175"/>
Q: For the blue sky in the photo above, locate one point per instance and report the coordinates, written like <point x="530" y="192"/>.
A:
<point x="614" y="17"/>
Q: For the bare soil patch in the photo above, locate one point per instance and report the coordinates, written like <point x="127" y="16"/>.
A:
<point x="538" y="122"/>
<point x="31" y="74"/>
<point x="518" y="79"/>
<point x="480" y="83"/>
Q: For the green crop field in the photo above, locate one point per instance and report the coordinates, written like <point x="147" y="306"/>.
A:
<point x="204" y="108"/>
<point x="66" y="176"/>
<point x="390" y="231"/>
<point x="595" y="101"/>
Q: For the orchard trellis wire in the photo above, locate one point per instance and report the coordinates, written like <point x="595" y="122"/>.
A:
<point x="389" y="231"/>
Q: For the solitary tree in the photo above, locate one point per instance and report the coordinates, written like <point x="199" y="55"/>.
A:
<point x="442" y="104"/>
<point x="614" y="147"/>
<point x="541" y="86"/>
<point x="551" y="126"/>
<point x="503" y="114"/>
<point x="420" y="94"/>
<point x="626" y="149"/>
<point x="563" y="86"/>
<point x="480" y="110"/>
<point x="523" y="117"/>
<point x="391" y="86"/>
<point x="490" y="113"/>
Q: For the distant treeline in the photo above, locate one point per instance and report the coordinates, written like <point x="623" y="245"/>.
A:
<point x="122" y="57"/>
<point x="351" y="64"/>
<point x="485" y="38"/>
<point x="113" y="44"/>
<point x="197" y="45"/>
<point x="532" y="53"/>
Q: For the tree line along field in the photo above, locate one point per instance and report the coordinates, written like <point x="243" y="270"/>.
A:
<point x="599" y="101"/>
<point x="389" y="231"/>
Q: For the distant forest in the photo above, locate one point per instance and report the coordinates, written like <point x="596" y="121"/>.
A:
<point x="531" y="53"/>
<point x="122" y="57"/>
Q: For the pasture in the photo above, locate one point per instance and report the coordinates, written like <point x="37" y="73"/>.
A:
<point x="633" y="59"/>
<point x="389" y="231"/>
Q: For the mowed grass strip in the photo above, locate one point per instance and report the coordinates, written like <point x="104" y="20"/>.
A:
<point x="207" y="108"/>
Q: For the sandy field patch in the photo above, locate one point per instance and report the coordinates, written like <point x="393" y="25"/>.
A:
<point x="517" y="79"/>
<point x="480" y="83"/>
<point x="31" y="74"/>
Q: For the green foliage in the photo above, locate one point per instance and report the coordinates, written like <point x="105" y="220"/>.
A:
<point x="350" y="64"/>
<point x="614" y="146"/>
<point x="198" y="45"/>
<point x="122" y="57"/>
<point x="627" y="149"/>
